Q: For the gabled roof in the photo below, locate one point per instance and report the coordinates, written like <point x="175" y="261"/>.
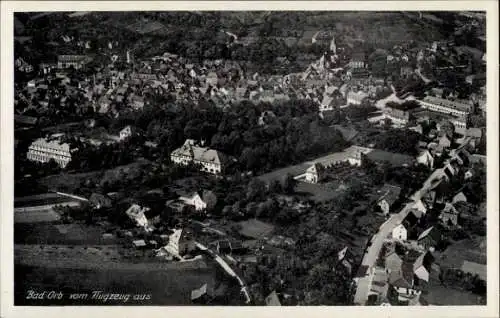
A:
<point x="403" y="277"/>
<point x="449" y="209"/>
<point x="390" y="193"/>
<point x="199" y="292"/>
<point x="272" y="299"/>
<point x="317" y="168"/>
<point x="431" y="232"/>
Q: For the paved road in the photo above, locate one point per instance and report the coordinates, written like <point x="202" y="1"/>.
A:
<point x="371" y="255"/>
<point x="227" y="268"/>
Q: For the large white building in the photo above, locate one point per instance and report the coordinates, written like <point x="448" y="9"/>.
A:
<point x="458" y="108"/>
<point x="212" y="161"/>
<point x="42" y="150"/>
<point x="356" y="97"/>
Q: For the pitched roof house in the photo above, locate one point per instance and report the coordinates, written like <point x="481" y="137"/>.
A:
<point x="100" y="201"/>
<point x="426" y="159"/>
<point x="211" y="160"/>
<point x="315" y="173"/>
<point x="272" y="299"/>
<point x="430" y="238"/>
<point x="449" y="215"/>
<point x="390" y="194"/>
<point x="422" y="266"/>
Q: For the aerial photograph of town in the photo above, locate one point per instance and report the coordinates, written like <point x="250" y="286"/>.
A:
<point x="250" y="158"/>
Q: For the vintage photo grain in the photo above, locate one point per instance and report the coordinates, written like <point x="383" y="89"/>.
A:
<point x="250" y="158"/>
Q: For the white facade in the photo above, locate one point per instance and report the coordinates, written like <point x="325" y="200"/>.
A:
<point x="195" y="201"/>
<point x="209" y="159"/>
<point x="426" y="159"/>
<point x="42" y="150"/>
<point x="400" y="233"/>
<point x="457" y="108"/>
<point x="422" y="273"/>
<point x="406" y="293"/>
<point x="420" y="206"/>
<point x="125" y="133"/>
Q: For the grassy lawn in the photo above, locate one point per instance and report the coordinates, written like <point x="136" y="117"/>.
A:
<point x="41" y="215"/>
<point x="318" y="192"/>
<point x="71" y="234"/>
<point x="254" y="228"/>
<point x="69" y="182"/>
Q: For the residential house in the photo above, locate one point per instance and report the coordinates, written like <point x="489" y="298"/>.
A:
<point x="180" y="243"/>
<point x="449" y="215"/>
<point x="444" y="141"/>
<point x="212" y="79"/>
<point x="392" y="261"/>
<point x="266" y="117"/>
<point x="139" y="244"/>
<point x="206" y="201"/>
<point x="202" y="295"/>
<point x="137" y="102"/>
<point x="425" y="158"/>
<point x="400" y="232"/>
<point x="421" y="206"/>
<point x="136" y="214"/>
<point x="223" y="247"/>
<point x="126" y="132"/>
<point x="390" y="194"/>
<point x="346" y="258"/>
<point x="315" y="173"/>
<point x="429" y="238"/>
<point x="404" y="283"/>
<point x="194" y="200"/>
<point x="99" y="201"/>
<point x="211" y="161"/>
<point x="422" y="266"/>
<point x="272" y="299"/>
<point x="459" y="197"/>
<point x="418" y="129"/>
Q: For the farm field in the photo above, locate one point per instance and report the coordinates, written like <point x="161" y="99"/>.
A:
<point x="49" y="233"/>
<point x="166" y="286"/>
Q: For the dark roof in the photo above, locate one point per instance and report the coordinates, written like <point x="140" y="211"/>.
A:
<point x="390" y="193"/>
<point x="363" y="269"/>
<point x="432" y="233"/>
<point x="224" y="244"/>
<point x="410" y="219"/>
<point x="358" y="56"/>
<point x="395" y="159"/>
<point x="26" y="120"/>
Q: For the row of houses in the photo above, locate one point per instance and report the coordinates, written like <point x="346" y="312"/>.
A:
<point x="405" y="263"/>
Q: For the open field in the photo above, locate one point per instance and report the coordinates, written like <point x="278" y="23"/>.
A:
<point x="439" y="295"/>
<point x="47" y="233"/>
<point x="42" y="214"/>
<point x="318" y="192"/>
<point x="69" y="182"/>
<point x="165" y="286"/>
<point x="84" y="269"/>
<point x="254" y="228"/>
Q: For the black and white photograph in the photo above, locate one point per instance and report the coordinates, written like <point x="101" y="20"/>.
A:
<point x="250" y="158"/>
